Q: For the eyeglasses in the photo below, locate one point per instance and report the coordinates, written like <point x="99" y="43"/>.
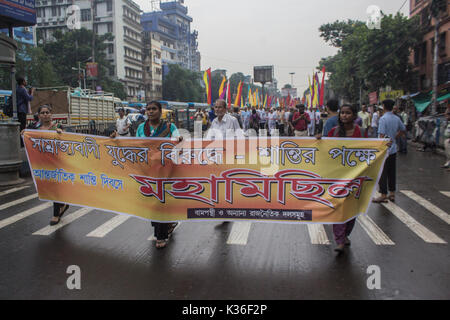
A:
<point x="152" y="108"/>
<point x="44" y="112"/>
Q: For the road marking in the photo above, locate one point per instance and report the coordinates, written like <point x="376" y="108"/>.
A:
<point x="64" y="221"/>
<point x="239" y="233"/>
<point x="108" y="226"/>
<point x="375" y="233"/>
<point x="446" y="193"/>
<point x="26" y="213"/>
<point x="12" y="190"/>
<point x="317" y="234"/>
<point x="18" y="201"/>
<point x="412" y="224"/>
<point x="427" y="205"/>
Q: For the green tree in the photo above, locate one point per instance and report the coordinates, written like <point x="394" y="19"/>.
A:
<point x="370" y="59"/>
<point x="183" y="85"/>
<point x="33" y="64"/>
<point x="75" y="46"/>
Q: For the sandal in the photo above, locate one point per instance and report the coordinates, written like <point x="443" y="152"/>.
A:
<point x="392" y="198"/>
<point x="61" y="213"/>
<point x="172" y="228"/>
<point x="380" y="200"/>
<point x="160" y="244"/>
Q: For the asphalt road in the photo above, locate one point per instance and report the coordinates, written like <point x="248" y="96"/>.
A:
<point x="117" y="258"/>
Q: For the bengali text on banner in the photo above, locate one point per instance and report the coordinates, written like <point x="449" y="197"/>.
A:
<point x="286" y="179"/>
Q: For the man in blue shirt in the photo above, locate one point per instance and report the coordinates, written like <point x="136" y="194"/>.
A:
<point x="390" y="126"/>
<point x="332" y="107"/>
<point x="23" y="98"/>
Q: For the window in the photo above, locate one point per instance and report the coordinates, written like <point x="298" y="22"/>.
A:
<point x="442" y="43"/>
<point x="53" y="11"/>
<point x="416" y="56"/>
<point x="38" y="12"/>
<point x="423" y="59"/>
<point x="109" y="5"/>
<point x="85" y="14"/>
<point x="110" y="27"/>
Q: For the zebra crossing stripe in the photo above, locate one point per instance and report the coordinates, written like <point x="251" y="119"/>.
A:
<point x="108" y="226"/>
<point x="374" y="232"/>
<point x="446" y="193"/>
<point x="427" y="205"/>
<point x="22" y="215"/>
<point x="239" y="233"/>
<point x="12" y="190"/>
<point x="317" y="234"/>
<point x="412" y="224"/>
<point x="64" y="221"/>
<point x="18" y="201"/>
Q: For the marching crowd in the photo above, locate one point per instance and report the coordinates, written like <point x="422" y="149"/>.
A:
<point x="342" y="121"/>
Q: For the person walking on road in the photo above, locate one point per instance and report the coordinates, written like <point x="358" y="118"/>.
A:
<point x="254" y="121"/>
<point x="390" y="126"/>
<point x="46" y="123"/>
<point x="365" y="117"/>
<point x="333" y="117"/>
<point x="346" y="128"/>
<point x="155" y="127"/>
<point x="23" y="98"/>
<point x="224" y="125"/>
<point x="300" y="121"/>
<point x="123" y="124"/>
<point x="374" y="122"/>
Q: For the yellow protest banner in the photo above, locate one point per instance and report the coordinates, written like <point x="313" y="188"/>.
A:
<point x="291" y="180"/>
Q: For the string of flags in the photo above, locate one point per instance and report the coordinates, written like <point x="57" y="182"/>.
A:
<point x="314" y="98"/>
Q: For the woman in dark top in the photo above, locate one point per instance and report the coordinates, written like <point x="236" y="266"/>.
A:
<point x="156" y="127"/>
<point x="46" y="123"/>
<point x="346" y="128"/>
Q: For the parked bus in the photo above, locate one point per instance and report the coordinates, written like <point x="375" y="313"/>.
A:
<point x="183" y="112"/>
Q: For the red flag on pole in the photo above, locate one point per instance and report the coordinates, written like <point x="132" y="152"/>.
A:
<point x="322" y="87"/>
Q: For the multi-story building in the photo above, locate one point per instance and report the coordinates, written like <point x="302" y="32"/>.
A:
<point x="152" y="66"/>
<point x="178" y="43"/>
<point x="119" y="17"/>
<point x="422" y="57"/>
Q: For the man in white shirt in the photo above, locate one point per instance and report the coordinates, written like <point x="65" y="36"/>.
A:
<point x="312" y="124"/>
<point x="224" y="125"/>
<point x="123" y="124"/>
<point x="374" y="124"/>
<point x="365" y="117"/>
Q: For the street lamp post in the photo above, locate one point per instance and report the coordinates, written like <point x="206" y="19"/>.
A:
<point x="292" y="78"/>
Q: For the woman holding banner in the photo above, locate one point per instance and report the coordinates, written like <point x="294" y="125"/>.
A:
<point x="155" y="127"/>
<point x="346" y="128"/>
<point x="46" y="123"/>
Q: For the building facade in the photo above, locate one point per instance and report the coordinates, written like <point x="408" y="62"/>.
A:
<point x="119" y="17"/>
<point x="179" y="43"/>
<point x="423" y="55"/>
<point x="153" y="67"/>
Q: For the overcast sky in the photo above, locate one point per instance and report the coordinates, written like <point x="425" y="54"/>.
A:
<point x="238" y="34"/>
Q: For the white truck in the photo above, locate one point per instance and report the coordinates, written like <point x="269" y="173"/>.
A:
<point x="76" y="107"/>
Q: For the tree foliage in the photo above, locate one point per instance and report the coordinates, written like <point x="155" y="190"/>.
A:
<point x="183" y="85"/>
<point x="371" y="59"/>
<point x="75" y="46"/>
